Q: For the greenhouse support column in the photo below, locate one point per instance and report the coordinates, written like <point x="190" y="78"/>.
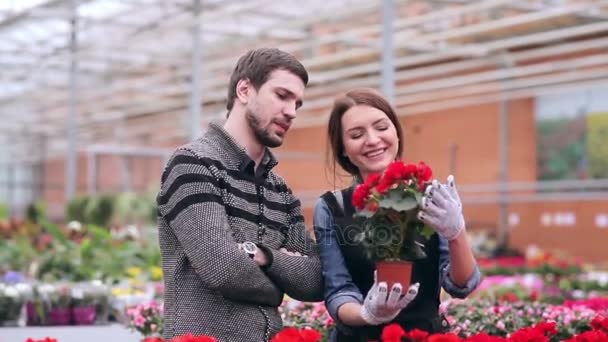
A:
<point x="42" y="166"/>
<point x="11" y="188"/>
<point x="388" y="60"/>
<point x="503" y="153"/>
<point x="71" y="156"/>
<point x="92" y="172"/>
<point x="195" y="100"/>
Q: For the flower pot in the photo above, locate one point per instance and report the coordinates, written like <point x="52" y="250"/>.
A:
<point x="84" y="315"/>
<point x="34" y="314"/>
<point x="60" y="316"/>
<point x="393" y="272"/>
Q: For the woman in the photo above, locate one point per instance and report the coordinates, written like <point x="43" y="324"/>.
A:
<point x="365" y="137"/>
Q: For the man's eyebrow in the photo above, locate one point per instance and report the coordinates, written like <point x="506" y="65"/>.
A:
<point x="290" y="93"/>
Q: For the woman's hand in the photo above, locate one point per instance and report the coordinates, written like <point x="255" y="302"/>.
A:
<point x="442" y="209"/>
<point x="381" y="307"/>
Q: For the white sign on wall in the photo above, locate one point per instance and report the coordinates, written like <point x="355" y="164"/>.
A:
<point x="561" y="219"/>
<point x="601" y="220"/>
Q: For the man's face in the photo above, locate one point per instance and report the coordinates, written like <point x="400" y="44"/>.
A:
<point x="272" y="108"/>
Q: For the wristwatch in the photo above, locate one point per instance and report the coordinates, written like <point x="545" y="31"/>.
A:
<point x="250" y="248"/>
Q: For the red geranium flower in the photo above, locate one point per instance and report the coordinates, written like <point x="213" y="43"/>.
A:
<point x="444" y="338"/>
<point x="392" y="333"/>
<point x="310" y="335"/>
<point x="600" y="323"/>
<point x="292" y="334"/>
<point x="191" y="338"/>
<point x="417" y="335"/>
<point x="484" y="337"/>
<point x="360" y="195"/>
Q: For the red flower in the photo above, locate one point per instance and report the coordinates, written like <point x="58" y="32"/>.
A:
<point x="373" y="206"/>
<point x="529" y="335"/>
<point x="546" y="328"/>
<point x="534" y="296"/>
<point x="294" y="335"/>
<point x="589" y="336"/>
<point x="310" y="335"/>
<point x="153" y="339"/>
<point x="509" y="297"/>
<point x="392" y="333"/>
<point x="383" y="187"/>
<point x="360" y="195"/>
<point x="372" y="180"/>
<point x="410" y="171"/>
<point x="444" y="338"/>
<point x="424" y="172"/>
<point x="394" y="172"/>
<point x="191" y="338"/>
<point x="483" y="337"/>
<point x="287" y="335"/>
<point x="417" y="335"/>
<point x="423" y="175"/>
<point x="600" y="323"/>
<point x="46" y="339"/>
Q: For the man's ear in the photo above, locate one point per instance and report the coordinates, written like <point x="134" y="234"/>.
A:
<point x="243" y="90"/>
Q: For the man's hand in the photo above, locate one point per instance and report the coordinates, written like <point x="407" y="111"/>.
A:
<point x="260" y="256"/>
<point x="285" y="251"/>
<point x="442" y="209"/>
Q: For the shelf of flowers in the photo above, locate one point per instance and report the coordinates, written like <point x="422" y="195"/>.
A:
<point x="64" y="303"/>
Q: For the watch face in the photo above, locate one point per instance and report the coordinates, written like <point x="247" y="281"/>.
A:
<point x="249" y="247"/>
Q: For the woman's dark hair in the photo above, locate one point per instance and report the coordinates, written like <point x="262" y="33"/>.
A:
<point x="360" y="96"/>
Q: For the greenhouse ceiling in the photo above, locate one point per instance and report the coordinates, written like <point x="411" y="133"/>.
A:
<point x="119" y="67"/>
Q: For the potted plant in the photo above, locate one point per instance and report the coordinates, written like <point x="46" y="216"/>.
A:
<point x="60" y="300"/>
<point x="389" y="204"/>
<point x="11" y="303"/>
<point x="84" y="304"/>
<point x="147" y="319"/>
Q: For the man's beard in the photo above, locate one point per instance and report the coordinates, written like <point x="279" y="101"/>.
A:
<point x="261" y="133"/>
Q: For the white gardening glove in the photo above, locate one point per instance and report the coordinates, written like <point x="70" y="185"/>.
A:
<point x="378" y="309"/>
<point x="442" y="209"/>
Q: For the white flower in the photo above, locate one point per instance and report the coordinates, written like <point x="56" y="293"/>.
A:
<point x="11" y="291"/>
<point x="75" y="226"/>
<point x="132" y="231"/>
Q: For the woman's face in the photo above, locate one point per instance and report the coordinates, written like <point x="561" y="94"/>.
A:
<point x="370" y="139"/>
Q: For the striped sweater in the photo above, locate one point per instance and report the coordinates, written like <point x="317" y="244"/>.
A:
<point x="210" y="200"/>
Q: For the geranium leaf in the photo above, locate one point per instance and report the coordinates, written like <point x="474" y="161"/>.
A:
<point x="398" y="200"/>
<point x="365" y="213"/>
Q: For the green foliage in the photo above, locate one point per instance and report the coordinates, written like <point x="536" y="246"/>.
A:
<point x="561" y="148"/>
<point x="113" y="209"/>
<point x="4" y="212"/>
<point x="36" y="212"/>
<point x="597" y="149"/>
<point x="392" y="231"/>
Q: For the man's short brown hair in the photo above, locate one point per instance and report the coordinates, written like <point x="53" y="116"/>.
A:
<point x="257" y="65"/>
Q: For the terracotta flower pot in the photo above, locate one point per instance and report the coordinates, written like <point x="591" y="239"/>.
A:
<point x="393" y="272"/>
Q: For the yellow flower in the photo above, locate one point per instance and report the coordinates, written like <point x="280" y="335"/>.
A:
<point x="156" y="273"/>
<point x="117" y="291"/>
<point x="134" y="271"/>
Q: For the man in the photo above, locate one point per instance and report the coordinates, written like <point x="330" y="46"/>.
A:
<point x="231" y="232"/>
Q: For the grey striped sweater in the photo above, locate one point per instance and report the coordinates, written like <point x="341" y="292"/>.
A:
<point x="210" y="200"/>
